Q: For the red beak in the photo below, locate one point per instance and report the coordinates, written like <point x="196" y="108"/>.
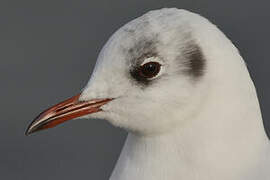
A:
<point x="64" y="111"/>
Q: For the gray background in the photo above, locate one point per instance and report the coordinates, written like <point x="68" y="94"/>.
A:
<point x="47" y="53"/>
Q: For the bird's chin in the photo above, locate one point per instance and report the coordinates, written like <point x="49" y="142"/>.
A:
<point x="114" y="118"/>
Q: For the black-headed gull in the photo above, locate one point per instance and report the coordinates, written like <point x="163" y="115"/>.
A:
<point x="181" y="89"/>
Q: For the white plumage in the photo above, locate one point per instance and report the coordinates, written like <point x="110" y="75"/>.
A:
<point x="198" y="119"/>
<point x="180" y="129"/>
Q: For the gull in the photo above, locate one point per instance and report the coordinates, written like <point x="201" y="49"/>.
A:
<point x="181" y="89"/>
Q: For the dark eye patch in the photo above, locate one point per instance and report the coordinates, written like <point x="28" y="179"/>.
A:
<point x="144" y="73"/>
<point x="190" y="56"/>
<point x="138" y="71"/>
<point x="143" y="49"/>
<point x="135" y="73"/>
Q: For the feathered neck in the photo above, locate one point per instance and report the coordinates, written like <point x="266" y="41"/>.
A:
<point x="225" y="141"/>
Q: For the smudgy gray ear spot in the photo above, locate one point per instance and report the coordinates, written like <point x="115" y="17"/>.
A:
<point x="195" y="60"/>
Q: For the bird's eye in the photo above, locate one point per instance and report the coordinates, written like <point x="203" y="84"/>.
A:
<point x="149" y="70"/>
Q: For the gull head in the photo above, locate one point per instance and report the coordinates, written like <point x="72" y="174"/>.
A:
<point x="152" y="68"/>
<point x="150" y="77"/>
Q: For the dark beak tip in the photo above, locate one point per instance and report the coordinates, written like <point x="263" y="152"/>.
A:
<point x="30" y="129"/>
<point x="28" y="132"/>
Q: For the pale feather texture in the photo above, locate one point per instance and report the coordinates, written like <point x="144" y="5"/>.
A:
<point x="182" y="126"/>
